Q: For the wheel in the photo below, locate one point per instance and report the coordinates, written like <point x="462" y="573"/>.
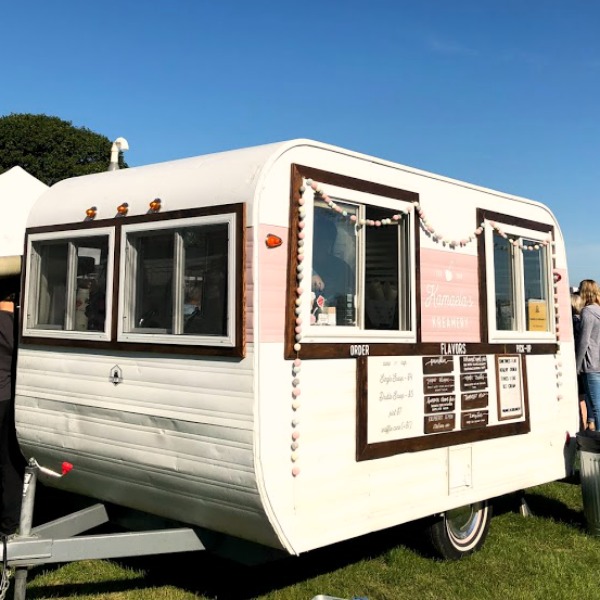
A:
<point x="461" y="531"/>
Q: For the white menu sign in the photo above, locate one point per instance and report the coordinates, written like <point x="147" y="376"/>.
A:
<point x="395" y="398"/>
<point x="510" y="387"/>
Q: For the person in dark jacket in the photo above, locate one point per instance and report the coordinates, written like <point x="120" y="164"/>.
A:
<point x="12" y="463"/>
<point x="588" y="350"/>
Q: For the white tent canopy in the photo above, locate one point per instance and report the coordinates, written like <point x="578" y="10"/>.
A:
<point x="18" y="192"/>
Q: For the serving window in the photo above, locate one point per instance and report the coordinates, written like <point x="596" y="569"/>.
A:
<point x="177" y="281"/>
<point x="519" y="280"/>
<point x="67" y="292"/>
<point x="362" y="275"/>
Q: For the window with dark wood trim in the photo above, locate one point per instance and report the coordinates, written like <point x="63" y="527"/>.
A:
<point x="170" y="282"/>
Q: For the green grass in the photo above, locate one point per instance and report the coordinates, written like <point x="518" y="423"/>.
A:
<point x="547" y="556"/>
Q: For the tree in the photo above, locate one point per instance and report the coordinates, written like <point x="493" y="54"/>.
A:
<point x="52" y="149"/>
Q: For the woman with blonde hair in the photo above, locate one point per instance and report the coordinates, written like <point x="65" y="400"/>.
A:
<point x="588" y="350"/>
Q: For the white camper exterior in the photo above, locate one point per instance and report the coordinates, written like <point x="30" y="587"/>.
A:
<point x="440" y="374"/>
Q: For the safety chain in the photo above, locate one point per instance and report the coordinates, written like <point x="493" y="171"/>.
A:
<point x="6" y="572"/>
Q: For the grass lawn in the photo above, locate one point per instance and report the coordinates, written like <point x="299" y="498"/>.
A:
<point x="547" y="556"/>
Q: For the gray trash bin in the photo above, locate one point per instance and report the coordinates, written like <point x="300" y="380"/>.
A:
<point x="588" y="444"/>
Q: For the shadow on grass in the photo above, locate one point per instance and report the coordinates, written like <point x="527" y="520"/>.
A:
<point x="549" y="508"/>
<point x="542" y="506"/>
<point x="205" y="574"/>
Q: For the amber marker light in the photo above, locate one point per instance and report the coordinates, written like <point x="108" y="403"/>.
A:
<point x="273" y="241"/>
<point x="155" y="205"/>
<point x="122" y="209"/>
<point x="91" y="213"/>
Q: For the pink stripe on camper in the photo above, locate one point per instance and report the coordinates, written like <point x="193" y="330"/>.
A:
<point x="272" y="283"/>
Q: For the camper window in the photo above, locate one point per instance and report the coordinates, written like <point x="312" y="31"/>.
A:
<point x="360" y="273"/>
<point x="67" y="284"/>
<point x="521" y="283"/>
<point x="177" y="281"/>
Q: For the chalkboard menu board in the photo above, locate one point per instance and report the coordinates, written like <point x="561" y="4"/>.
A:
<point x="416" y="396"/>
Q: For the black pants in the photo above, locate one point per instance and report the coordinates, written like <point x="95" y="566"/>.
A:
<point x="12" y="466"/>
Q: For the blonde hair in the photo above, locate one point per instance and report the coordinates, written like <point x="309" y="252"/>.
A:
<point x="576" y="303"/>
<point x="589" y="292"/>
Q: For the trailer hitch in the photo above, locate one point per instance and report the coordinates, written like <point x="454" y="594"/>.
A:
<point x="25" y="522"/>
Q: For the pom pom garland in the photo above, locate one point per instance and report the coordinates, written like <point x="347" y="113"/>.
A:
<point x="425" y="223"/>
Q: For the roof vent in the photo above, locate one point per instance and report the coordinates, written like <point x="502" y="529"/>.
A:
<point x="119" y="145"/>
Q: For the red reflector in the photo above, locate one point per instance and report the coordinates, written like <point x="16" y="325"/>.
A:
<point x="66" y="467"/>
<point x="273" y="241"/>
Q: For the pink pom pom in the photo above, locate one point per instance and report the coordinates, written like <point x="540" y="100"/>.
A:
<point x="301" y="235"/>
<point x="297" y="361"/>
<point x="296" y="471"/>
<point x="295" y="435"/>
<point x="296" y="393"/>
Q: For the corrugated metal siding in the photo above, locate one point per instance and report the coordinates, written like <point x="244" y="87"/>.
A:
<point x="175" y="438"/>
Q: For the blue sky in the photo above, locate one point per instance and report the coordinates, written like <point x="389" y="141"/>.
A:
<point x="503" y="94"/>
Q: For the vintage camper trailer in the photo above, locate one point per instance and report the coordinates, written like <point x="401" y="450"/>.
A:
<point x="295" y="344"/>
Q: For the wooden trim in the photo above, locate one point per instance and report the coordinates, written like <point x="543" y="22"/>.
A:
<point x="290" y="302"/>
<point x="442" y="440"/>
<point x="484" y="332"/>
<point x="350" y="349"/>
<point x="362" y="415"/>
<point x="151" y="348"/>
<point x="115" y="287"/>
<point x="353" y="183"/>
<point x="483" y="214"/>
<point x="117" y="221"/>
<point x="417" y="295"/>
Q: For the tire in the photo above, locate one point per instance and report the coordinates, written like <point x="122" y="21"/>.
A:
<point x="460" y="531"/>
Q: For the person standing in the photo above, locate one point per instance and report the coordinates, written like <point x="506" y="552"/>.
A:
<point x="576" y="306"/>
<point x="588" y="350"/>
<point x="12" y="463"/>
